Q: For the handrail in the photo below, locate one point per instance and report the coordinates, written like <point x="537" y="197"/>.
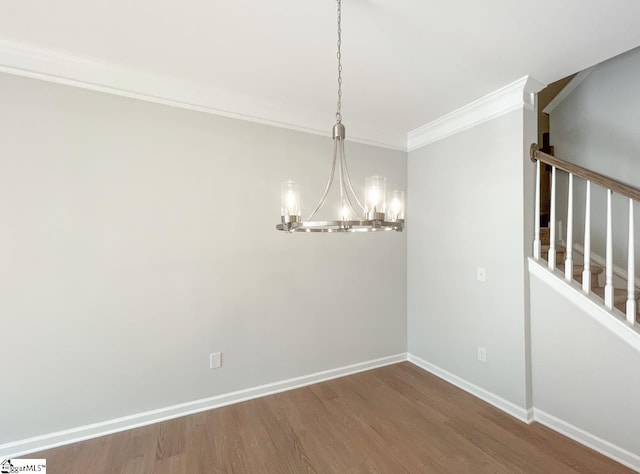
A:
<point x="612" y="184"/>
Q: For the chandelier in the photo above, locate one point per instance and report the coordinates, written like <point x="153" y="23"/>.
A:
<point x="373" y="216"/>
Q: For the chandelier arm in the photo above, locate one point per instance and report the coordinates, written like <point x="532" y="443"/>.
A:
<point x="341" y="176"/>
<point x="346" y="172"/>
<point x="343" y="164"/>
<point x="350" y="204"/>
<point x="329" y="182"/>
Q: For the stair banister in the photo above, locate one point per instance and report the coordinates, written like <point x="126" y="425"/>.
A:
<point x="614" y="185"/>
<point x="611" y="185"/>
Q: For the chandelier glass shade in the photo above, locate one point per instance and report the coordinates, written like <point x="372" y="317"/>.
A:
<point x="371" y="214"/>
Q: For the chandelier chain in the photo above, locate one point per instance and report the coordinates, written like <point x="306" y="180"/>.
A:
<point x="339" y="57"/>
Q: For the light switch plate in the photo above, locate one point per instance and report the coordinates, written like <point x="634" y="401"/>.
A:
<point x="482" y="274"/>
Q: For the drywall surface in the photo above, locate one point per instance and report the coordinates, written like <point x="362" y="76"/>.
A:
<point x="466" y="211"/>
<point x="582" y="373"/>
<point x="138" y="238"/>
<point x="596" y="126"/>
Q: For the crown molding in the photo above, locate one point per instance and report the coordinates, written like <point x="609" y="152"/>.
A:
<point x="517" y="95"/>
<point x="567" y="90"/>
<point x="111" y="78"/>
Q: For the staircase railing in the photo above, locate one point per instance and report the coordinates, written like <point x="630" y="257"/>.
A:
<point x="611" y="185"/>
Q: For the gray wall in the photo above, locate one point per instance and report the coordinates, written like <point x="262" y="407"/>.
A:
<point x="467" y="210"/>
<point x="138" y="238"/>
<point x="596" y="126"/>
<point x="582" y="373"/>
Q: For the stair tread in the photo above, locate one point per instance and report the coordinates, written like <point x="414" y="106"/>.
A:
<point x="595" y="270"/>
<point x="559" y="247"/>
<point x="544" y="235"/>
<point x="616" y="292"/>
<point x="620" y="299"/>
<point x="619" y="294"/>
<point x="595" y="283"/>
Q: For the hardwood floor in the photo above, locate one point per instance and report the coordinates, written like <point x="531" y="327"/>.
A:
<point x="390" y="420"/>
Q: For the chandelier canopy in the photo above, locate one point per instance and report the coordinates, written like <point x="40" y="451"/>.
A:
<point x="373" y="216"/>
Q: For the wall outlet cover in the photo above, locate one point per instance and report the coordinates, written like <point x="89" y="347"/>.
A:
<point x="482" y="274"/>
<point x="482" y="354"/>
<point x="215" y="360"/>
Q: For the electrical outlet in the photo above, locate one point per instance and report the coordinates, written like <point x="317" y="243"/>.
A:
<point x="482" y="274"/>
<point x="215" y="360"/>
<point x="482" y="354"/>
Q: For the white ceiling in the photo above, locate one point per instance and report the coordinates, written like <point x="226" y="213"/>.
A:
<point x="406" y="63"/>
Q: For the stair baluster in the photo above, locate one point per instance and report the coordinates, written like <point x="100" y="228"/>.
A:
<point x="608" y="286"/>
<point x="568" y="262"/>
<point x="586" y="273"/>
<point x="631" y="271"/>
<point x="536" y="233"/>
<point x="552" y="222"/>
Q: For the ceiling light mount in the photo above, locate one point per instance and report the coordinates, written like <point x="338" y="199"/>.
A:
<point x="354" y="217"/>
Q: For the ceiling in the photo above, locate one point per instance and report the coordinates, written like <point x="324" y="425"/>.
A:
<point x="406" y="63"/>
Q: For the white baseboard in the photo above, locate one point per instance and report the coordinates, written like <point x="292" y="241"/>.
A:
<point x="522" y="414"/>
<point x="530" y="415"/>
<point x="95" y="430"/>
<point x="618" y="454"/>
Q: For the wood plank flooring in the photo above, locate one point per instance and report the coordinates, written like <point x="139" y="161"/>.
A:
<point x="394" y="419"/>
